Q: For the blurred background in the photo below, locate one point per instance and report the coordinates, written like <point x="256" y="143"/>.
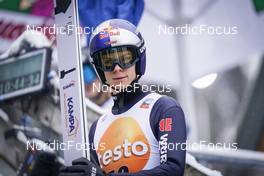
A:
<point x="209" y="52"/>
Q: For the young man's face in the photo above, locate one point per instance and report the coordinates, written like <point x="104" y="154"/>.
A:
<point x="120" y="76"/>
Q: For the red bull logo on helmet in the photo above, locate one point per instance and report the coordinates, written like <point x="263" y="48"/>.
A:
<point x="109" y="33"/>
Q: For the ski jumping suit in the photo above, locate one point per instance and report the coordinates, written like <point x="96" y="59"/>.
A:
<point x="144" y="135"/>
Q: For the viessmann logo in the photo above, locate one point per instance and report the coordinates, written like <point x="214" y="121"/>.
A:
<point x="70" y="118"/>
<point x="163" y="145"/>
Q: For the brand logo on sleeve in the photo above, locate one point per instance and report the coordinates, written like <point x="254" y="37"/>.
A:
<point x="165" y="124"/>
<point x="163" y="148"/>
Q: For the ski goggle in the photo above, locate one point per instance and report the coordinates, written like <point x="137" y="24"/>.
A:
<point x="124" y="56"/>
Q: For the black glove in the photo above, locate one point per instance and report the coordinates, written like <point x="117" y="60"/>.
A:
<point x="81" y="167"/>
<point x="45" y="165"/>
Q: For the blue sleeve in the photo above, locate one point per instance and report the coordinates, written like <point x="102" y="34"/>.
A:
<point x="93" y="155"/>
<point x="168" y="125"/>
